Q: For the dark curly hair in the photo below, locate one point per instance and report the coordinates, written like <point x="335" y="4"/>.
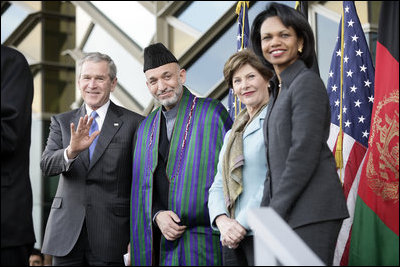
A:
<point x="290" y="18"/>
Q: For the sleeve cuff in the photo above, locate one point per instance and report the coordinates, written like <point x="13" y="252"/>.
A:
<point x="67" y="161"/>
<point x="154" y="217"/>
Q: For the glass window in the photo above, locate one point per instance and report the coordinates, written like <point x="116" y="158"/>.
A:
<point x="129" y="70"/>
<point x="206" y="72"/>
<point x="224" y="101"/>
<point x="11" y="19"/>
<point x="200" y="15"/>
<point x="35" y="173"/>
<point x="327" y="31"/>
<point x="130" y="16"/>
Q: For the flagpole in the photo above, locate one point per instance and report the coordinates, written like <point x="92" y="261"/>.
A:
<point x="339" y="144"/>
<point x="241" y="7"/>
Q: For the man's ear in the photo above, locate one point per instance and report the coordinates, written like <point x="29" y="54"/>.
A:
<point x="114" y="84"/>
<point x="182" y="75"/>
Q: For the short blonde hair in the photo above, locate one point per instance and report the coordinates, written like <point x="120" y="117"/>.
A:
<point x="241" y="58"/>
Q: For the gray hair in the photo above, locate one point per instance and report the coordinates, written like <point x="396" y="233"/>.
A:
<point x="98" y="57"/>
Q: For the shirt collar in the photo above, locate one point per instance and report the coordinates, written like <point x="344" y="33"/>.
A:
<point x="171" y="114"/>
<point x="291" y="72"/>
<point x="101" y="111"/>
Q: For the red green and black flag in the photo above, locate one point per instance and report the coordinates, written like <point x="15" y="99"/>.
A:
<point x="375" y="232"/>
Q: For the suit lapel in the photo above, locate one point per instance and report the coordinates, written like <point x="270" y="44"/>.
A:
<point x="271" y="103"/>
<point x="112" y="123"/>
<point x="257" y="123"/>
<point x="253" y="126"/>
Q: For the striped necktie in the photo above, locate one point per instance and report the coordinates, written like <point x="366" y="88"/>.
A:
<point x="93" y="128"/>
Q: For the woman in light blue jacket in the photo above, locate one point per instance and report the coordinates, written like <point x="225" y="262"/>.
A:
<point x="242" y="167"/>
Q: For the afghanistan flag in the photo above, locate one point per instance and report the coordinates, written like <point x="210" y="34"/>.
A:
<point x="375" y="233"/>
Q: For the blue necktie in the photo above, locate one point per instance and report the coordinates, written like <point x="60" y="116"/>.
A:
<point x="93" y="128"/>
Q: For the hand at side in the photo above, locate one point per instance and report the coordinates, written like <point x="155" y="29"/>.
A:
<point x="168" y="222"/>
<point x="232" y="232"/>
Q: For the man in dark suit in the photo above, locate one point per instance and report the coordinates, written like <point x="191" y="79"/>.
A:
<point x="89" y="218"/>
<point x="17" y="235"/>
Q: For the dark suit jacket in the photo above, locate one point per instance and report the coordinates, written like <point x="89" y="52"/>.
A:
<point x="302" y="180"/>
<point x="16" y="113"/>
<point x="97" y="191"/>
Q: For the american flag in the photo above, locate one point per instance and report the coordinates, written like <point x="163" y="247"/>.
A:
<point x="242" y="37"/>
<point x="351" y="95"/>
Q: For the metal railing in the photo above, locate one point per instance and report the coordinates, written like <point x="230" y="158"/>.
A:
<point x="275" y="243"/>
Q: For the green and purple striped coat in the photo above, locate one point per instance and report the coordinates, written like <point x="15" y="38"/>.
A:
<point x="196" y="140"/>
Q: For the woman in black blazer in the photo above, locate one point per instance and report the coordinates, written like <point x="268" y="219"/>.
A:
<point x="302" y="184"/>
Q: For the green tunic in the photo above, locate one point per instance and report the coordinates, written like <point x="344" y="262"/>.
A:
<point x="196" y="140"/>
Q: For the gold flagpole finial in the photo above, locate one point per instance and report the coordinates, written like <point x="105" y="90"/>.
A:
<point x="297" y="5"/>
<point x="239" y="6"/>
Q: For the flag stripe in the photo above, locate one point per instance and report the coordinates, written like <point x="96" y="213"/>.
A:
<point x="353" y="153"/>
<point x="345" y="257"/>
<point x="342" y="247"/>
<point x="370" y="236"/>
<point x="388" y="71"/>
<point x="355" y="157"/>
<point x="388" y="35"/>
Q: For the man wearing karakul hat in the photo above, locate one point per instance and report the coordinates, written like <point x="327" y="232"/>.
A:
<point x="174" y="165"/>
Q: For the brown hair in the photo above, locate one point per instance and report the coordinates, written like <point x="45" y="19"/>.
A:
<point x="241" y="58"/>
<point x="99" y="57"/>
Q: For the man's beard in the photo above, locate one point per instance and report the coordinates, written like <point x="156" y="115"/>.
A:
<point x="173" y="100"/>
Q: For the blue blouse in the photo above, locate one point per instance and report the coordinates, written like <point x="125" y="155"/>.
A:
<point x="254" y="173"/>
